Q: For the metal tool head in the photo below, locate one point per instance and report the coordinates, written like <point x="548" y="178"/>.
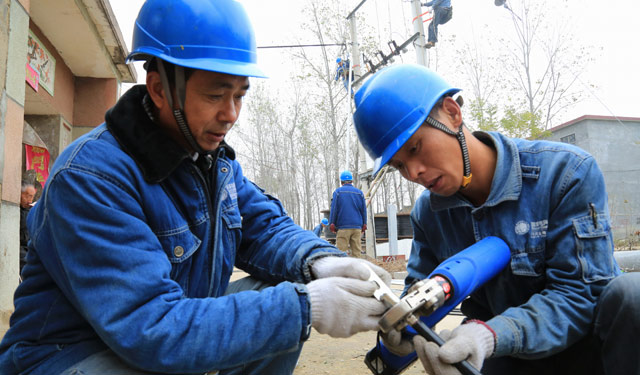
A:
<point x="422" y="299"/>
<point x="383" y="293"/>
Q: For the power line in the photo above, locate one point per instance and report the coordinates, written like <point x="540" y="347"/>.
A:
<point x="303" y="45"/>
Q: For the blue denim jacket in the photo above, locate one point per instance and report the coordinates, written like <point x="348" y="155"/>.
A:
<point x="348" y="208"/>
<point x="548" y="203"/>
<point x="132" y="251"/>
<point x="438" y="3"/>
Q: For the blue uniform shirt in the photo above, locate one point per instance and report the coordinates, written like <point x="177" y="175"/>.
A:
<point x="133" y="247"/>
<point x="438" y="3"/>
<point x="548" y="203"/>
<point x="348" y="208"/>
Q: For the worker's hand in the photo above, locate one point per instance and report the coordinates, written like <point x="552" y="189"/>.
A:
<point x="347" y="267"/>
<point x="332" y="228"/>
<point x="471" y="341"/>
<point x="364" y="228"/>
<point x="398" y="345"/>
<point x="342" y="307"/>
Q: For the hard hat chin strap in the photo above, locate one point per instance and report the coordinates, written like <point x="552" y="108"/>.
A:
<point x="178" y="114"/>
<point x="466" y="178"/>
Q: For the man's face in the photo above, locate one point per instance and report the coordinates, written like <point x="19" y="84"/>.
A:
<point x="212" y="105"/>
<point x="432" y="159"/>
<point x="26" y="197"/>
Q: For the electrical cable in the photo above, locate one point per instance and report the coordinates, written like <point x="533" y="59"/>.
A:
<point x="598" y="99"/>
<point x="302" y="45"/>
<point x="378" y="22"/>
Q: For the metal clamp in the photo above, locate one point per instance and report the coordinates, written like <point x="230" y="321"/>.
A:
<point x="423" y="297"/>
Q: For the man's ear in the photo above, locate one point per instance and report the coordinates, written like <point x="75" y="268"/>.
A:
<point x="155" y="90"/>
<point x="451" y="110"/>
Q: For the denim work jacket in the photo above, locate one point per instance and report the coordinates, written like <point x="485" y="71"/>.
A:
<point x="133" y="246"/>
<point x="548" y="203"/>
<point x="348" y="208"/>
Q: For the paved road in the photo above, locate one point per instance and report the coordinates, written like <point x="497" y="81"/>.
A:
<point x="628" y="260"/>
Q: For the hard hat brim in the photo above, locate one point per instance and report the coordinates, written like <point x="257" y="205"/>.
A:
<point x="243" y="69"/>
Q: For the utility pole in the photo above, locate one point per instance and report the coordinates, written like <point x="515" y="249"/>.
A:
<point x="364" y="182"/>
<point x="422" y="56"/>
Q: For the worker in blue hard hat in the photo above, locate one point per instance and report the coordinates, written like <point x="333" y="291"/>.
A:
<point x="348" y="216"/>
<point x="562" y="306"/>
<point x="320" y="227"/>
<point x="342" y="72"/>
<point x="143" y="220"/>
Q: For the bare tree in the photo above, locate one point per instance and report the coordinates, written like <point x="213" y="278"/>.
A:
<point x="297" y="140"/>
<point x="484" y="81"/>
<point x="326" y="23"/>
<point x="545" y="60"/>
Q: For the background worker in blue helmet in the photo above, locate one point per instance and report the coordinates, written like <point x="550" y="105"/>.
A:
<point x="320" y="227"/>
<point x="342" y="72"/>
<point x="143" y="219"/>
<point x="561" y="307"/>
<point x="348" y="217"/>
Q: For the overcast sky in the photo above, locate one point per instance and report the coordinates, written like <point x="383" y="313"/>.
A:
<point x="612" y="25"/>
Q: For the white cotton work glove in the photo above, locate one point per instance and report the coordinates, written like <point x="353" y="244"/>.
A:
<point x="472" y="341"/>
<point x="398" y="345"/>
<point x="347" y="267"/>
<point x="342" y="307"/>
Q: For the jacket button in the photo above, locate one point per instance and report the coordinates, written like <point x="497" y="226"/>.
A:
<point x="479" y="215"/>
<point x="178" y="251"/>
<point x="224" y="169"/>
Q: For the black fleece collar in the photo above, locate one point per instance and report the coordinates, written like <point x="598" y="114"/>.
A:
<point x="155" y="152"/>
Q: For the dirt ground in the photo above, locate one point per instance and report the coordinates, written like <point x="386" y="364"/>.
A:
<point x="323" y="354"/>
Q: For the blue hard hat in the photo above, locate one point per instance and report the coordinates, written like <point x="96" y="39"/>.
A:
<point x="325" y="221"/>
<point x="338" y="60"/>
<point x="392" y="105"/>
<point x="213" y="35"/>
<point x="346" y="176"/>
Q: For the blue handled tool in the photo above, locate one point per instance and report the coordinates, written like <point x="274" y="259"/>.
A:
<point x="450" y="283"/>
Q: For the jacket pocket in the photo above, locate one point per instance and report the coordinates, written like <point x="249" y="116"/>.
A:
<point x="231" y="217"/>
<point x="179" y="244"/>
<point x="595" y="247"/>
<point x="529" y="262"/>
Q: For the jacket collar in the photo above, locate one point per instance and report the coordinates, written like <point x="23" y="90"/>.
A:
<point x="155" y="152"/>
<point x="507" y="179"/>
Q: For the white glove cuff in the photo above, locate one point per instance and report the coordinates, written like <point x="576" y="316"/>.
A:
<point x="321" y="267"/>
<point x="486" y="337"/>
<point x="317" y="311"/>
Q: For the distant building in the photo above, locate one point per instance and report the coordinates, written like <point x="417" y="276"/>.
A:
<point x="61" y="67"/>
<point x="615" y="144"/>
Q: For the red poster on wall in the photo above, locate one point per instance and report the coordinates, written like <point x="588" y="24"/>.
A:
<point x="38" y="160"/>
